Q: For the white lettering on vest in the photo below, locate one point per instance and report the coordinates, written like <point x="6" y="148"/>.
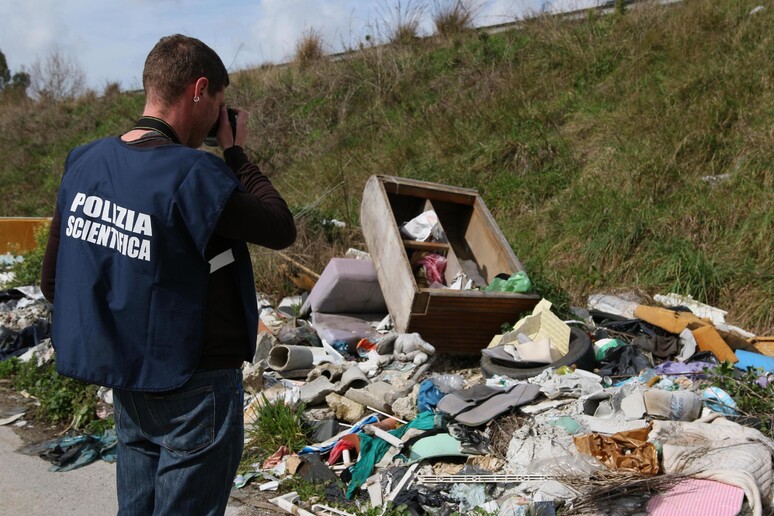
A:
<point x="104" y="234"/>
<point x="80" y="198"/>
<point x="93" y="206"/>
<point x="70" y="223"/>
<point x="78" y="229"/>
<point x="102" y="221"/>
<point x="143" y="225"/>
<point x="145" y="250"/>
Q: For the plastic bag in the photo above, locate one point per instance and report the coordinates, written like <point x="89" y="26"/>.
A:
<point x="420" y="227"/>
<point x="435" y="266"/>
<point x="298" y="332"/>
<point x="428" y="397"/>
<point x="519" y="283"/>
<point x="718" y="400"/>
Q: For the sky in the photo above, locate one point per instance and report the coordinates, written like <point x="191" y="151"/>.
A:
<point x="108" y="40"/>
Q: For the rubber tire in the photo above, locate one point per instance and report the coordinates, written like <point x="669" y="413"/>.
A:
<point x="581" y="354"/>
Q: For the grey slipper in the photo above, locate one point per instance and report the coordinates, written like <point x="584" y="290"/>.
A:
<point x="452" y="405"/>
<point x="461" y="400"/>
<point x="482" y="413"/>
<point x="481" y="392"/>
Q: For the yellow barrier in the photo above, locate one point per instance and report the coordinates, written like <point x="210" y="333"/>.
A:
<point x="17" y="234"/>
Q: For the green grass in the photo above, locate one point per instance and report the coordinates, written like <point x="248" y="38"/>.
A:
<point x="28" y="271"/>
<point x="276" y="425"/>
<point x="589" y="140"/>
<point x="62" y="399"/>
<point x="273" y="426"/>
<point x="751" y="399"/>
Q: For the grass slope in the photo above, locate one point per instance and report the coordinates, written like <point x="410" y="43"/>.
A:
<point x="633" y="150"/>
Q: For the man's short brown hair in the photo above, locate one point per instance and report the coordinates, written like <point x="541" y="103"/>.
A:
<point x="175" y="62"/>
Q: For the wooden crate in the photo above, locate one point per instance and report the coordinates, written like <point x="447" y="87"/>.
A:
<point x="455" y="321"/>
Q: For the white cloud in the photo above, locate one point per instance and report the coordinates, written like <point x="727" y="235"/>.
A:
<point x="279" y="24"/>
<point x="110" y="40"/>
<point x="30" y="30"/>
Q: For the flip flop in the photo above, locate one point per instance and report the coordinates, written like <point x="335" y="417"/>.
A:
<point x="461" y="400"/>
<point x="482" y="413"/>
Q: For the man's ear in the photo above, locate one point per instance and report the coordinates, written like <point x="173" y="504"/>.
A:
<point x="200" y="87"/>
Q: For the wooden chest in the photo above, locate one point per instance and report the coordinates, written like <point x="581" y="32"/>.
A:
<point x="454" y="321"/>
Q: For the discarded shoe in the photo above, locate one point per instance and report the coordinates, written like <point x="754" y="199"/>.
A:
<point x="459" y="401"/>
<point x="519" y="395"/>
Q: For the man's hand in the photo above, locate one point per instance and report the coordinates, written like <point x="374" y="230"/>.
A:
<point x="226" y="138"/>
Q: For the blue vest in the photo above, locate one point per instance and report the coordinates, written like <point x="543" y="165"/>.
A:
<point x="131" y="274"/>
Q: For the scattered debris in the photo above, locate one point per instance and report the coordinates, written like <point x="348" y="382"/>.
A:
<point x="639" y="404"/>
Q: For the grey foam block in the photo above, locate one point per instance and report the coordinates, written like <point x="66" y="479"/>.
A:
<point x="346" y="286"/>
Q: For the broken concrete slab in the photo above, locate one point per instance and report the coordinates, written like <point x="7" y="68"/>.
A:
<point x="252" y="378"/>
<point x="377" y="395"/>
<point x="345" y="409"/>
<point x="319" y="414"/>
<point x="401" y="386"/>
<point x="263" y="345"/>
<point x="329" y="370"/>
<point x="353" y="378"/>
<point x="314" y="392"/>
<point x="406" y="406"/>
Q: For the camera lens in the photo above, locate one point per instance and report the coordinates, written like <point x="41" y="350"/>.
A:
<point x="212" y="137"/>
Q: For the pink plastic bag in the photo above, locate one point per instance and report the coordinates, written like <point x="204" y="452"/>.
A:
<point x="435" y="266"/>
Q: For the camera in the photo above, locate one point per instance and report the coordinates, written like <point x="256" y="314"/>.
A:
<point x="212" y="136"/>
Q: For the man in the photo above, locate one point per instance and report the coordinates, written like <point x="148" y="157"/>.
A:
<point x="152" y="284"/>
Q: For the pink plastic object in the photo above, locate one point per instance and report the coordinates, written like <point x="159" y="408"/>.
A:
<point x="696" y="496"/>
<point x="435" y="266"/>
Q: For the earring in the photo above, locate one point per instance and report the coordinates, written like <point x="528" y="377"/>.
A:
<point x="196" y="99"/>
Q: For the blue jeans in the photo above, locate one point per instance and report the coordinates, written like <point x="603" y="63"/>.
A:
<point x="178" y="451"/>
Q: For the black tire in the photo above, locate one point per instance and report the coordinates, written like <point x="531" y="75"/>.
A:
<point x="581" y="354"/>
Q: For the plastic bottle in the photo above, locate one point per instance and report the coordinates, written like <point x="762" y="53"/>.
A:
<point x="448" y="382"/>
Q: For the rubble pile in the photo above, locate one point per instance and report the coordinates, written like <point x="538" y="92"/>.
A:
<point x="616" y="411"/>
<point x="387" y="425"/>
<point x="641" y="408"/>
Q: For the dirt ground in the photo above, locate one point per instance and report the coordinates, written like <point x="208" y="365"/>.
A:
<point x="248" y="501"/>
<point x="33" y="432"/>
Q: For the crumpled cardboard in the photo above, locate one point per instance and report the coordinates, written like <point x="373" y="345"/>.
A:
<point x="669" y="320"/>
<point x="624" y="451"/>
<point x="708" y="339"/>
<point x="542" y="324"/>
<point x="540" y="351"/>
<point x="763" y="345"/>
<point x="706" y="335"/>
